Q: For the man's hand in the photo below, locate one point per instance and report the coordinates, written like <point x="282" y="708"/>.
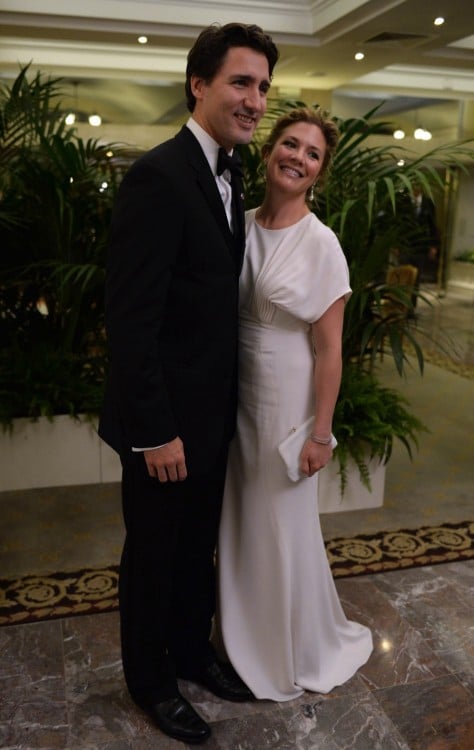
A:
<point x="167" y="463"/>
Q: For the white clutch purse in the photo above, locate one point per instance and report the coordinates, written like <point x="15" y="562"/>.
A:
<point x="290" y="449"/>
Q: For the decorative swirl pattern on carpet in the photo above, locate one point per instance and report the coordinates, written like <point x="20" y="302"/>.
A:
<point x="46" y="597"/>
<point x="405" y="548"/>
<point x="35" y="598"/>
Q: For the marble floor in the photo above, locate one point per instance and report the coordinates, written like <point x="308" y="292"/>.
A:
<point x="61" y="683"/>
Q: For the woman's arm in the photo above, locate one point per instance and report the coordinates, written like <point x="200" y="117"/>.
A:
<point x="327" y="337"/>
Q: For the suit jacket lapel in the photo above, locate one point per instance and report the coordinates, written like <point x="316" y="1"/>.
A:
<point x="207" y="183"/>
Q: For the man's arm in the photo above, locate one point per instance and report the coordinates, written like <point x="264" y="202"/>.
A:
<point x="145" y="240"/>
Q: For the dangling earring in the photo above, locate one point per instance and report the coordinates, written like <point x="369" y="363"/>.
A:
<point x="311" y="193"/>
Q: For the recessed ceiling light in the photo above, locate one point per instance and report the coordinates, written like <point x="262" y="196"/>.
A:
<point x="421" y="134"/>
<point x="95" y="120"/>
<point x="438" y="21"/>
<point x="399" y="134"/>
<point x="142" y="40"/>
<point x="359" y="56"/>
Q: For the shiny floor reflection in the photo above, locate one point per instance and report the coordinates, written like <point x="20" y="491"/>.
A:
<point x="62" y="687"/>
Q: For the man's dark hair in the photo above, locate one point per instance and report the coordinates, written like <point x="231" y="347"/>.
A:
<point x="207" y="54"/>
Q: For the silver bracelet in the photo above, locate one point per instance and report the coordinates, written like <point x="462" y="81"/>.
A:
<point x="320" y="441"/>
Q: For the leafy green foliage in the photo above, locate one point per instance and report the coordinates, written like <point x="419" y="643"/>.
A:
<point x="44" y="380"/>
<point x="467" y="257"/>
<point x="57" y="193"/>
<point x="367" y="419"/>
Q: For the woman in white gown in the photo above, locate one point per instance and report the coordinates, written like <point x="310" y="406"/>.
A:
<point x="280" y="618"/>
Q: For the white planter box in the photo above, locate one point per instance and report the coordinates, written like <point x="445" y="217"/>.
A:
<point x="69" y="452"/>
<point x="461" y="273"/>
<point x="53" y="454"/>
<point x="356" y="496"/>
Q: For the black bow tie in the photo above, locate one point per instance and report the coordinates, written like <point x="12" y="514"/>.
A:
<point x="232" y="163"/>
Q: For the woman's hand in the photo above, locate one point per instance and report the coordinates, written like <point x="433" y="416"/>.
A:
<point x="314" y="457"/>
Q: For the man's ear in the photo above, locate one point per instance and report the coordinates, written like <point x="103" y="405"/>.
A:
<point x="197" y="86"/>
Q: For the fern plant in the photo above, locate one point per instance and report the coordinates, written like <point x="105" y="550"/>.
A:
<point x="367" y="419"/>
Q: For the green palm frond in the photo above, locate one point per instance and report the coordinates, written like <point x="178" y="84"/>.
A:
<point x="57" y="193"/>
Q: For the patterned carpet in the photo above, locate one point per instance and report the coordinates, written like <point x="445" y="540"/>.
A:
<point x="46" y="597"/>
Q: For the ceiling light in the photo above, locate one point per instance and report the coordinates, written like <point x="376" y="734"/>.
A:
<point x="70" y="118"/>
<point x="142" y="40"/>
<point x="422" y="135"/>
<point x="401" y="163"/>
<point x="399" y="134"/>
<point x="359" y="56"/>
<point x="95" y="120"/>
<point x="438" y="21"/>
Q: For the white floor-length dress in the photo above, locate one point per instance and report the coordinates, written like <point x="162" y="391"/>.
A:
<point x="280" y="618"/>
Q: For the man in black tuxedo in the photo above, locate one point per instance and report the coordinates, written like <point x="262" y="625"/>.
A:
<point x="176" y="249"/>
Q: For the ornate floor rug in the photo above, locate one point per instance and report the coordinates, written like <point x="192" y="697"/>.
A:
<point x="46" y="597"/>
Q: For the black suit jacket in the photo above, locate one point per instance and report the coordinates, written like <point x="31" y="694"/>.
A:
<point x="171" y="307"/>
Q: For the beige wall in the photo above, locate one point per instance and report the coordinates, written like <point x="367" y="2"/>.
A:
<point x="140" y="136"/>
<point x="463" y="220"/>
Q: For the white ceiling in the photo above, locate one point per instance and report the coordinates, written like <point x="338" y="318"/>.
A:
<point x="409" y="63"/>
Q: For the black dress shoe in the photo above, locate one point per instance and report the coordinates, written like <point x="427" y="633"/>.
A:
<point x="178" y="719"/>
<point x="222" y="680"/>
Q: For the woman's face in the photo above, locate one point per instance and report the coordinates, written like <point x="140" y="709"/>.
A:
<point x="297" y="158"/>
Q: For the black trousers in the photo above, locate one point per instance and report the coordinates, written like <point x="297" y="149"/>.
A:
<point x="167" y="576"/>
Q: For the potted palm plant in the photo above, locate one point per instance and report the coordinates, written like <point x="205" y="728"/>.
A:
<point x="364" y="202"/>
<point x="56" y="194"/>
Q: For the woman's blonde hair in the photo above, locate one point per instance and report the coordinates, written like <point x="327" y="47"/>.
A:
<point x="314" y="116"/>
